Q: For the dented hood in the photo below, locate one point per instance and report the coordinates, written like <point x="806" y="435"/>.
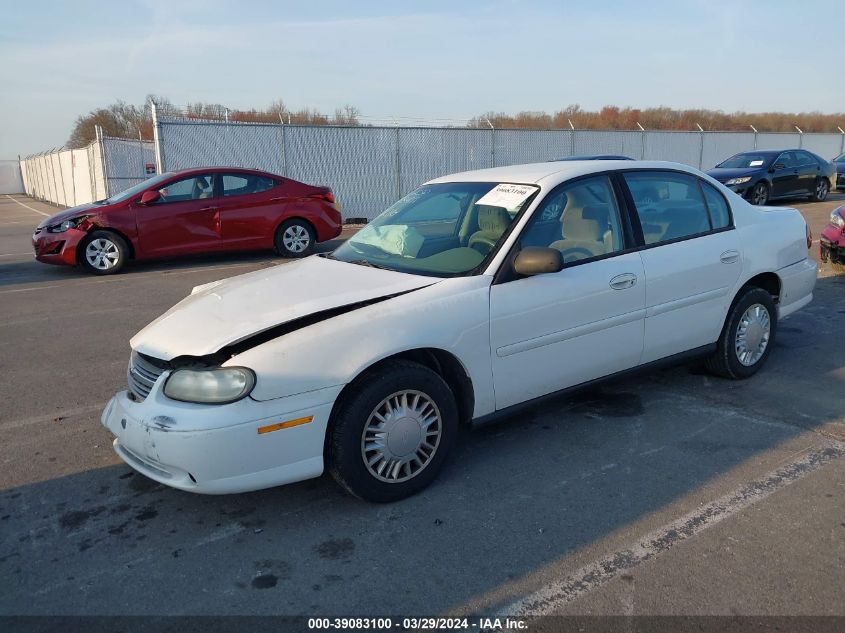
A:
<point x="223" y="313"/>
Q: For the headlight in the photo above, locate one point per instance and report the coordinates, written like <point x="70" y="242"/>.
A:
<point x="67" y="224"/>
<point x="837" y="217"/>
<point x="738" y="181"/>
<point x="210" y="386"/>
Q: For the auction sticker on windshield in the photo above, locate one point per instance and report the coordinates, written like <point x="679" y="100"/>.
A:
<point x="755" y="163"/>
<point x="507" y="195"/>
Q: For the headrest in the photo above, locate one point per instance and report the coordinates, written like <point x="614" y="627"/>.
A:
<point x="493" y="218"/>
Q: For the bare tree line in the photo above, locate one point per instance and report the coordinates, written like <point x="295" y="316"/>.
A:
<point x="125" y="120"/>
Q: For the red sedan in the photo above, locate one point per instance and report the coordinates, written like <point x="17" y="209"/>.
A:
<point x="205" y="210"/>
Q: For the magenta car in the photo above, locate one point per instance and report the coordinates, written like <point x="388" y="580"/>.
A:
<point x="832" y="239"/>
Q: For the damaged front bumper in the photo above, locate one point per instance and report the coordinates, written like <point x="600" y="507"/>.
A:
<point x="221" y="449"/>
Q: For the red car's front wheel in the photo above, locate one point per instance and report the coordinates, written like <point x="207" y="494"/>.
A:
<point x="103" y="253"/>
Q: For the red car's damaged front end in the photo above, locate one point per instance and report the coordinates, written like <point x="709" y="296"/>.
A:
<point x="832" y="238"/>
<point x="56" y="240"/>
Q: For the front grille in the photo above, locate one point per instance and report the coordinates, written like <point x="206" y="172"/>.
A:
<point x="142" y="375"/>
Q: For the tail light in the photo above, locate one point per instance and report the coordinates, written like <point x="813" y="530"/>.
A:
<point x="809" y="237"/>
<point x="326" y="194"/>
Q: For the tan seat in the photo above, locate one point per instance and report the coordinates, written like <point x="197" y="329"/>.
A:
<point x="584" y="232"/>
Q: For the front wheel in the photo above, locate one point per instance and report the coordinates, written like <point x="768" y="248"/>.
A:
<point x="103" y="253"/>
<point x="295" y="238"/>
<point x="759" y="194"/>
<point x="747" y="336"/>
<point x="821" y="190"/>
<point x="390" y="436"/>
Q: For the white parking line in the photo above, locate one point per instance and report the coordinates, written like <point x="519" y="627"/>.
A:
<point x="16" y="254"/>
<point x="552" y="597"/>
<point x="46" y="215"/>
<point x="140" y="276"/>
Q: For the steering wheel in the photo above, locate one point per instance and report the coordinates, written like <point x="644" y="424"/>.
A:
<point x="575" y="253"/>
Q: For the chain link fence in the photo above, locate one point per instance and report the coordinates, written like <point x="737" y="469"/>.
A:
<point x="367" y="167"/>
<point x="71" y="177"/>
<point x="370" y="167"/>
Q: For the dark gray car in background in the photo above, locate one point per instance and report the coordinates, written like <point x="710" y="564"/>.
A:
<point x="764" y="175"/>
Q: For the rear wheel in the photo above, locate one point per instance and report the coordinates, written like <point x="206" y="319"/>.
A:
<point x="821" y="190"/>
<point x="759" y="194"/>
<point x="747" y="336"/>
<point x="103" y="253"/>
<point x="295" y="238"/>
<point x="390" y="436"/>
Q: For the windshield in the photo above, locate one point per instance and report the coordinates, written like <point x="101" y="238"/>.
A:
<point x="133" y="191"/>
<point x="744" y="161"/>
<point x="441" y="230"/>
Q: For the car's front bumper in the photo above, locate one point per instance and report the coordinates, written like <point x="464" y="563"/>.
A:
<point x="832" y="245"/>
<point x="218" y="449"/>
<point x="57" y="248"/>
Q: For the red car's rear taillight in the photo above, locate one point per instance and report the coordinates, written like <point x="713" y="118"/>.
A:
<point x="328" y="194"/>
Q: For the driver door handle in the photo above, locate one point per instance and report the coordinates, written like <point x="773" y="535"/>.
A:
<point x="623" y="281"/>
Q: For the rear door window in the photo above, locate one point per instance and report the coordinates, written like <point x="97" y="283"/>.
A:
<point x="669" y="205"/>
<point x="720" y="215"/>
<point x="241" y="184"/>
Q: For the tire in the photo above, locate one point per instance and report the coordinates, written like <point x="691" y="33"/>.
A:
<point x="820" y="190"/>
<point x="399" y="464"/>
<point x="728" y="361"/>
<point x="103" y="253"/>
<point x="295" y="238"/>
<point x="759" y="195"/>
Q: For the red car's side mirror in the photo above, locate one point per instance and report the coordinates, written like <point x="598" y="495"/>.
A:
<point x="150" y="197"/>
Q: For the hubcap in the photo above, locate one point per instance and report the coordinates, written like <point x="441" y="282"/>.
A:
<point x="821" y="190"/>
<point x="752" y="335"/>
<point x="401" y="436"/>
<point x="759" y="195"/>
<point x="102" y="254"/>
<point x="296" y="238"/>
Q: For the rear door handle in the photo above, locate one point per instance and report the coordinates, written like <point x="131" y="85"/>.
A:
<point x="729" y="257"/>
<point x="625" y="280"/>
<point x="209" y="209"/>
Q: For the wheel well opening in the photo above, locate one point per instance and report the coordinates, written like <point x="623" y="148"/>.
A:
<point x="769" y="282"/>
<point x="445" y="365"/>
<point x="300" y="219"/>
<point x="125" y="239"/>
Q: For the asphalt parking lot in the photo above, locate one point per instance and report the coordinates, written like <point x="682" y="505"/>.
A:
<point x="666" y="494"/>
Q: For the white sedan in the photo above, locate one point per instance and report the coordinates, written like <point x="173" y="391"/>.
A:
<point x="475" y="294"/>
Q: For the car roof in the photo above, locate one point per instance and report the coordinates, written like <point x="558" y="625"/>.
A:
<point x="555" y="172"/>
<point x="235" y="170"/>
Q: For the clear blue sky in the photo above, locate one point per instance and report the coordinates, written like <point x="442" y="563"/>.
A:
<point x="435" y="59"/>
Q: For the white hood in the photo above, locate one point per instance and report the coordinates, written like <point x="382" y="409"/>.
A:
<point x="225" y="312"/>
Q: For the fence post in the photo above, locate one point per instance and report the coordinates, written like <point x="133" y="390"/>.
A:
<point x="642" y="141"/>
<point x="700" y="146"/>
<point x="800" y="136"/>
<point x="73" y="174"/>
<point x="157" y="138"/>
<point x="55" y="192"/>
<point x="103" y="163"/>
<point x="755" y="135"/>
<point x="571" y="138"/>
<point x="284" y="148"/>
<point x="398" y="167"/>
<point x="841" y="140"/>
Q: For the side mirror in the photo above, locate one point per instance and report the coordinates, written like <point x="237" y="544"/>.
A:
<point x="536" y="260"/>
<point x="150" y="197"/>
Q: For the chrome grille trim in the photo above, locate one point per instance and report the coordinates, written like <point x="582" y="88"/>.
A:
<point x="142" y="375"/>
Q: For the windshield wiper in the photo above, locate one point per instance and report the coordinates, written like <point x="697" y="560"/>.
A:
<point x="367" y="262"/>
